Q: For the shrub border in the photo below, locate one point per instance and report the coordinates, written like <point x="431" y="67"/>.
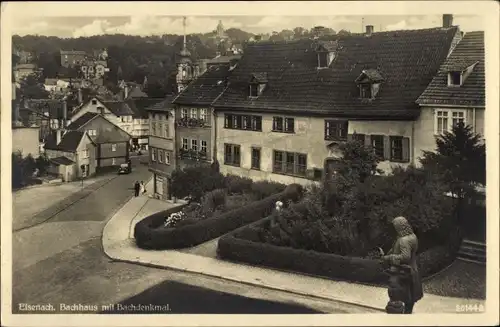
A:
<point x="148" y="236"/>
<point x="368" y="271"/>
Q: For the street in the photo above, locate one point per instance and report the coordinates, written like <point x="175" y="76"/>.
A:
<point x="61" y="262"/>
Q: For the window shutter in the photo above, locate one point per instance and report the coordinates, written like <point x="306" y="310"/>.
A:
<point x="387" y="148"/>
<point x="349" y="137"/>
<point x="406" y="149"/>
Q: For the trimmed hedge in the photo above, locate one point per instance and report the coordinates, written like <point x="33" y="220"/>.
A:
<point x="148" y="235"/>
<point x="241" y="245"/>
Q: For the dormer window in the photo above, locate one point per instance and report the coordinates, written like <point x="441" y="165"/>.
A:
<point x="369" y="83"/>
<point x="459" y="71"/>
<point x="455" y="78"/>
<point x="326" y="51"/>
<point x="258" y="82"/>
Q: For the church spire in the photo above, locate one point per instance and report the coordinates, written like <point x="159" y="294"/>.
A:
<point x="184" y="29"/>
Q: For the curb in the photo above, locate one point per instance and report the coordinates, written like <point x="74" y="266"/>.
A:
<point x="152" y="265"/>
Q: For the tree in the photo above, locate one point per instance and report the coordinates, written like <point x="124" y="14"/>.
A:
<point x="32" y="88"/>
<point x="298" y="32"/>
<point x="358" y="161"/>
<point x="459" y="159"/>
<point x="343" y="32"/>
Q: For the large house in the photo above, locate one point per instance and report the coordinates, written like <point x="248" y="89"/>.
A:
<point x="71" y="58"/>
<point x="112" y="143"/>
<point x="162" y="148"/>
<point x="288" y="105"/>
<point x="456" y="93"/>
<point x="195" y="123"/>
<point x="72" y="155"/>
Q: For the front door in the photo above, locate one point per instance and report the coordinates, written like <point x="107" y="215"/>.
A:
<point x="332" y="166"/>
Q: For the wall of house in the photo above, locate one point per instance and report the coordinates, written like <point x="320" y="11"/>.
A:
<point x="106" y="152"/>
<point x="308" y="139"/>
<point x="161" y="138"/>
<point x="126" y="125"/>
<point x="26" y="140"/>
<point x="90" y="160"/>
<point x="425" y="138"/>
<point x="198" y="133"/>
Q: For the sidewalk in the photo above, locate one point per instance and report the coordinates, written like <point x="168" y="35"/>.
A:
<point x="118" y="244"/>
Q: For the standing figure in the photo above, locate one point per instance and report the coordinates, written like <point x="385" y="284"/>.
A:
<point x="137" y="188"/>
<point x="405" y="284"/>
<point x="143" y="188"/>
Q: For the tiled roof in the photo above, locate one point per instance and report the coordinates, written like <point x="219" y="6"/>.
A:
<point x="50" y="81"/>
<point x="468" y="51"/>
<point x="64" y="161"/>
<point x="222" y="59"/>
<point x="164" y="105"/>
<point x="260" y="77"/>
<point x="206" y="88"/>
<point x="69" y="141"/>
<point x="327" y="45"/>
<point x="73" y="52"/>
<point x="407" y="60"/>
<point x="25" y="66"/>
<point x="82" y="120"/>
<point x="372" y="75"/>
<point x="115" y="135"/>
<point x="139" y="105"/>
<point x="136" y="92"/>
<point x="119" y="108"/>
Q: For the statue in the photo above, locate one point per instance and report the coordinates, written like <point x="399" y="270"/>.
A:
<point x="404" y="284"/>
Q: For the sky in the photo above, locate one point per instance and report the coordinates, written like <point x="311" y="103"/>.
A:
<point x="157" y="25"/>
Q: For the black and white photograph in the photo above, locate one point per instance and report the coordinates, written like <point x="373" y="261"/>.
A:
<point x="169" y="162"/>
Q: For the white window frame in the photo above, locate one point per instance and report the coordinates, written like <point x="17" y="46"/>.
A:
<point x="113" y="161"/>
<point x="153" y="154"/>
<point x="184" y="113"/>
<point x="193" y="113"/>
<point x="185" y="143"/>
<point x="166" y="130"/>
<point x="451" y="79"/>
<point x="85" y="153"/>
<point x="450" y="120"/>
<point x="113" y="147"/>
<point x="203" y="146"/>
<point x="203" y="114"/>
<point x="194" y="144"/>
<point x="160" y="156"/>
<point x="167" y="157"/>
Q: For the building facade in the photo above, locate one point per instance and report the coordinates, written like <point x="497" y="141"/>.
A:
<point x="289" y="105"/>
<point x="112" y="143"/>
<point x="162" y="150"/>
<point x="72" y="58"/>
<point x="456" y="93"/>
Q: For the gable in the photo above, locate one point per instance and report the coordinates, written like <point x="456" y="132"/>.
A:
<point x="88" y="107"/>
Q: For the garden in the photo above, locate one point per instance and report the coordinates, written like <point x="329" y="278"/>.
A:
<point x="26" y="170"/>
<point x="218" y="204"/>
<point x="341" y="228"/>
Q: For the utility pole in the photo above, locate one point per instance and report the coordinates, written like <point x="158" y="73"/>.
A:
<point x="362" y="24"/>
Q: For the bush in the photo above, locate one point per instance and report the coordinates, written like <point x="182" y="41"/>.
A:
<point x="214" y="200"/>
<point x="149" y="236"/>
<point x="263" y="189"/>
<point x="238" y="185"/>
<point x="195" y="181"/>
<point x="245" y="245"/>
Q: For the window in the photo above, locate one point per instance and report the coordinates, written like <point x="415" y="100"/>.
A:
<point x="256" y="158"/>
<point x="94" y="102"/>
<point x="377" y="142"/>
<point x="281" y="124"/>
<point x="194" y="145"/>
<point x="254" y="90"/>
<point x="256" y="123"/>
<point x="165" y="129"/>
<point x="243" y="122"/>
<point x="365" y="91"/>
<point x="454" y="78"/>
<point x="323" y="59"/>
<point x="167" y="157"/>
<point x="246" y="122"/>
<point x="444" y="120"/>
<point x="85" y="154"/>
<point x="153" y="154"/>
<point x="203" y="146"/>
<point x="184" y="113"/>
<point x="336" y="130"/>
<point x="153" y="128"/>
<point x="92" y="132"/>
<point x="231" y="154"/>
<point x="289" y="163"/>
<point x="194" y="113"/>
<point x="113" y="161"/>
<point x="184" y="143"/>
<point x="396" y="148"/>
<point x="160" y="156"/>
<point x="113" y="147"/>
<point x="204" y="114"/>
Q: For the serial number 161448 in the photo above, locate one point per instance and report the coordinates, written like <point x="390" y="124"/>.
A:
<point x="469" y="308"/>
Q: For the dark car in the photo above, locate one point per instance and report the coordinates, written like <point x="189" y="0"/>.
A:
<point x="125" y="169"/>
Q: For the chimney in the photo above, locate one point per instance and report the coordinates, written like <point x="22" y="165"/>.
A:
<point x="369" y="30"/>
<point x="80" y="95"/>
<point x="58" y="136"/>
<point x="447" y="20"/>
<point x="125" y="92"/>
<point x="64" y="111"/>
